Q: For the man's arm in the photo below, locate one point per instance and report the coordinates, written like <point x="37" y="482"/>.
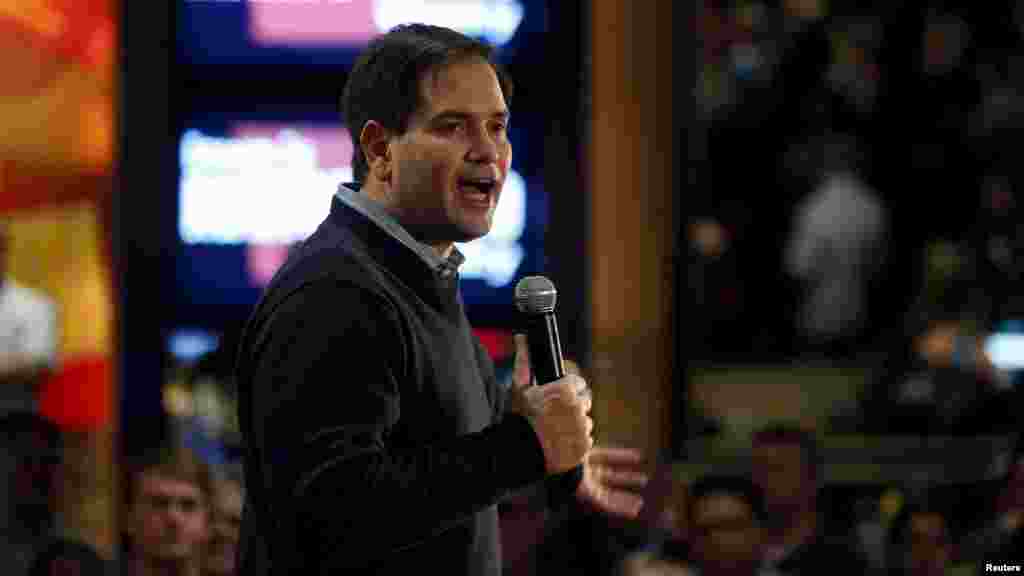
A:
<point x="325" y="399"/>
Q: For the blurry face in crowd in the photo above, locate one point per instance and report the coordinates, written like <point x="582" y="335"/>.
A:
<point x="726" y="538"/>
<point x="447" y="170"/>
<point x="781" y="472"/>
<point x="928" y="551"/>
<point x="225" y="526"/>
<point x="171" y="517"/>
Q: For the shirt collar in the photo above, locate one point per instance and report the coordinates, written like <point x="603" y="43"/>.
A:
<point x="376" y="213"/>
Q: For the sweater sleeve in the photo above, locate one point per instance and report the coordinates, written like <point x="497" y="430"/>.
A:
<point x="324" y="400"/>
<point x="558" y="488"/>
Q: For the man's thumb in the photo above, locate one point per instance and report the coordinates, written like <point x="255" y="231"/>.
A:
<point x="522" y="375"/>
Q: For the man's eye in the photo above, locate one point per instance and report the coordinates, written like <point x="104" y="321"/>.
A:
<point x="450" y="127"/>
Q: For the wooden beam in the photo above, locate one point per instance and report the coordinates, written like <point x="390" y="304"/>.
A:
<point x="631" y="235"/>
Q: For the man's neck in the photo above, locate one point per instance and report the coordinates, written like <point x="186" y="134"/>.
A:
<point x="378" y="193"/>
<point x="160" y="567"/>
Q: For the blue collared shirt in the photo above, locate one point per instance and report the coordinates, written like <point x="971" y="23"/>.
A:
<point x="378" y="215"/>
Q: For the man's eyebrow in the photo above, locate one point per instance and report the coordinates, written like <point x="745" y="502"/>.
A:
<point x="460" y="115"/>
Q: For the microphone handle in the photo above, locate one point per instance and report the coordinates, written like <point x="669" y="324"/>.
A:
<point x="546" y="362"/>
<point x="545" y="348"/>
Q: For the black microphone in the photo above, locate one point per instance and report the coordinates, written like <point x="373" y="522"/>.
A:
<point x="535" y="298"/>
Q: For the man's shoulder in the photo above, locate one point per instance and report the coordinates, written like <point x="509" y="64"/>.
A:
<point x="329" y="255"/>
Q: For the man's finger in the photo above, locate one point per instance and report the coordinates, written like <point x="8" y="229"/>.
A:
<point x="617" y="456"/>
<point x="621" y="478"/>
<point x="625" y="504"/>
<point x="579" y="384"/>
<point x="521" y="370"/>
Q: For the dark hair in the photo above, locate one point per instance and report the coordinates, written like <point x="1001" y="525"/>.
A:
<point x="738" y="486"/>
<point x="171" y="460"/>
<point x="384" y="84"/>
<point x="791" y="434"/>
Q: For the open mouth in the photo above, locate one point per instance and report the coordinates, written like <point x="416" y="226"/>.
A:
<point x="478" y="190"/>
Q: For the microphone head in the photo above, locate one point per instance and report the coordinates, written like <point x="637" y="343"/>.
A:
<point x="536" y="295"/>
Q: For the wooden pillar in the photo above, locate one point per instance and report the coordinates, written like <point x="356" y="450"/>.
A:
<point x="631" y="236"/>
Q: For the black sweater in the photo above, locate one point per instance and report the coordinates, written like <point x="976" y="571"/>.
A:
<point x="371" y="416"/>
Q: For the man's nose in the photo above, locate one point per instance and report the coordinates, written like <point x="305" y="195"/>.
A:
<point x="176" y="515"/>
<point x="484" y="148"/>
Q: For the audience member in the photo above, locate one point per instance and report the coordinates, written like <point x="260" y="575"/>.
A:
<point x="227" y="500"/>
<point x="666" y="510"/>
<point x="920" y="541"/>
<point x="836" y="250"/>
<point x="29" y="521"/>
<point x="28" y="336"/>
<point x="1002" y="536"/>
<point x="725" y="523"/>
<point x="798" y="538"/>
<point x="168" y="513"/>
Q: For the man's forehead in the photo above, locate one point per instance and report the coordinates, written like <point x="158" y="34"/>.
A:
<point x="468" y="86"/>
<point x="160" y="483"/>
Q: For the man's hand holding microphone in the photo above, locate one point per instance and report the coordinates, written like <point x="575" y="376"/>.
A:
<point x="559" y="411"/>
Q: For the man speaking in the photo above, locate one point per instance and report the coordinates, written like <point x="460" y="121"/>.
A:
<point x="377" y="438"/>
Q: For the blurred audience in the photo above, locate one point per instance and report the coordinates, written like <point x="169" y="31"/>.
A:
<point x="226" y="503"/>
<point x="1001" y="538"/>
<point x="666" y="516"/>
<point x="798" y="537"/>
<point x="920" y="539"/>
<point x="726" y="517"/>
<point x="168" y="513"/>
<point x="28" y="336"/>
<point x="836" y="250"/>
<point x="29" y="520"/>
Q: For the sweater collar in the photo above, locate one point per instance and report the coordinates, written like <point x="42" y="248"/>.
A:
<point x="375" y="212"/>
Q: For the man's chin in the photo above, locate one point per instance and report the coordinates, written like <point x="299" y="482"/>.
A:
<point x="473" y="231"/>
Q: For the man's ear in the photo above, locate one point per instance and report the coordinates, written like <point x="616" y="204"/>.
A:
<point x="375" y="141"/>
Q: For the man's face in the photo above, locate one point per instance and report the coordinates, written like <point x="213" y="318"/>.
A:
<point x="928" y="554"/>
<point x="170" y="516"/>
<point x="449" y="167"/>
<point x="726" y="538"/>
<point x="225" y="528"/>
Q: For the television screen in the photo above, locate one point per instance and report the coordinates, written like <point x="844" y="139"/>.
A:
<point x="330" y="32"/>
<point x="250" y="188"/>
